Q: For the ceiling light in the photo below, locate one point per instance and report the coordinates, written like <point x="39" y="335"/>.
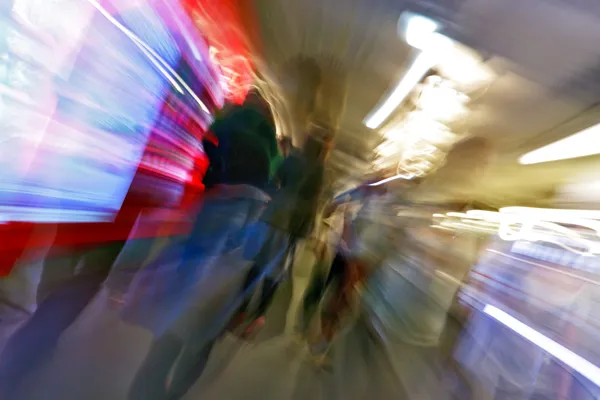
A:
<point x="420" y="34"/>
<point x="442" y="102"/>
<point x="424" y="62"/>
<point x="552" y="214"/>
<point x="419" y="30"/>
<point x="584" y="143"/>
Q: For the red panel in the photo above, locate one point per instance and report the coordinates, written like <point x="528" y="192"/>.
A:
<point x="220" y="23"/>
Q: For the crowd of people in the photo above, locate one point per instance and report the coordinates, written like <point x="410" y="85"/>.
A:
<point x="365" y="316"/>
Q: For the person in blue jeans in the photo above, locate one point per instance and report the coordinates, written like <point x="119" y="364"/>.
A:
<point x="237" y="177"/>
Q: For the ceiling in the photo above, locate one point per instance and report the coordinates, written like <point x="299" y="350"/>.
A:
<point x="544" y="54"/>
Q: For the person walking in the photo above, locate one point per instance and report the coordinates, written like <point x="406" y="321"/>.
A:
<point x="239" y="173"/>
<point x="284" y="225"/>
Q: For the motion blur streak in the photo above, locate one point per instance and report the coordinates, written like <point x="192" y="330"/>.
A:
<point x="154" y="56"/>
<point x="150" y="53"/>
<point x="584" y="143"/>
<point x="578" y="363"/>
<point x="287" y="200"/>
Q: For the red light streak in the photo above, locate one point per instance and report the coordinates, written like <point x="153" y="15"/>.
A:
<point x="220" y="23"/>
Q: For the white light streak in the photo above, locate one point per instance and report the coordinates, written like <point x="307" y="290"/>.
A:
<point x="571" y="359"/>
<point x="423" y="63"/>
<point x="154" y="57"/>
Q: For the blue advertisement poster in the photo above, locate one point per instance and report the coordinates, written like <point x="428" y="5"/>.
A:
<point x="78" y="99"/>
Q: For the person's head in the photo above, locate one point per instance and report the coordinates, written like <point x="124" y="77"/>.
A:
<point x="315" y="149"/>
<point x="318" y="142"/>
<point x="465" y="163"/>
<point x="255" y="100"/>
<point x="468" y="159"/>
<point x="285" y="145"/>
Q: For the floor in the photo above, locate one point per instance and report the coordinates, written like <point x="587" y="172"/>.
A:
<point x="97" y="358"/>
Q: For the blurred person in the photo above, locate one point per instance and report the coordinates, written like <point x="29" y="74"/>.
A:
<point x="287" y="221"/>
<point x="351" y="264"/>
<point x="402" y="273"/>
<point x="286" y="146"/>
<point x="402" y="280"/>
<point x="406" y="300"/>
<point x="70" y="279"/>
<point x="321" y="275"/>
<point x="254" y="125"/>
<point x="236" y="180"/>
<point x="334" y="217"/>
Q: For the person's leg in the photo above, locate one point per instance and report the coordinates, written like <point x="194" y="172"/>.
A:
<point x="257" y="251"/>
<point x="310" y="303"/>
<point x="282" y="248"/>
<point x="189" y="368"/>
<point x="266" y="297"/>
<point x="150" y="382"/>
<point x="249" y="284"/>
<point x="38" y="337"/>
<point x="308" y="258"/>
<point x="320" y="282"/>
<point x="56" y="271"/>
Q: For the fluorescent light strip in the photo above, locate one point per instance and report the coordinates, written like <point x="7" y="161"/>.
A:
<point x="418" y="30"/>
<point x="584" y="143"/>
<point x="424" y="62"/>
<point x="393" y="178"/>
<point x="155" y="56"/>
<point x="552" y="214"/>
<point x="575" y="361"/>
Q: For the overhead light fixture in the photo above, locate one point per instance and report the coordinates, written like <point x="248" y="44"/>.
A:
<point x="584" y="143"/>
<point x="420" y="34"/>
<point x="418" y="30"/>
<point x="553" y="214"/>
<point x="415" y="73"/>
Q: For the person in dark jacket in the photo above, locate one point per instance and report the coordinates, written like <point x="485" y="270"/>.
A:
<point x="288" y="218"/>
<point x="241" y="154"/>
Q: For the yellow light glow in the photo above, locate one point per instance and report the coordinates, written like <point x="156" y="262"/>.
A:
<point x="441" y="102"/>
<point x="537" y="225"/>
<point x="584" y="143"/>
<point x="465" y="68"/>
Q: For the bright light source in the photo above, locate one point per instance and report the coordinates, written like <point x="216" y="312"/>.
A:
<point x="575" y="361"/>
<point x="420" y="126"/>
<point x="393" y="178"/>
<point x="438" y="44"/>
<point x="441" y="101"/>
<point x="424" y="62"/>
<point x="419" y="30"/>
<point x="465" y="67"/>
<point x="584" y="143"/>
<point x="421" y="34"/>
